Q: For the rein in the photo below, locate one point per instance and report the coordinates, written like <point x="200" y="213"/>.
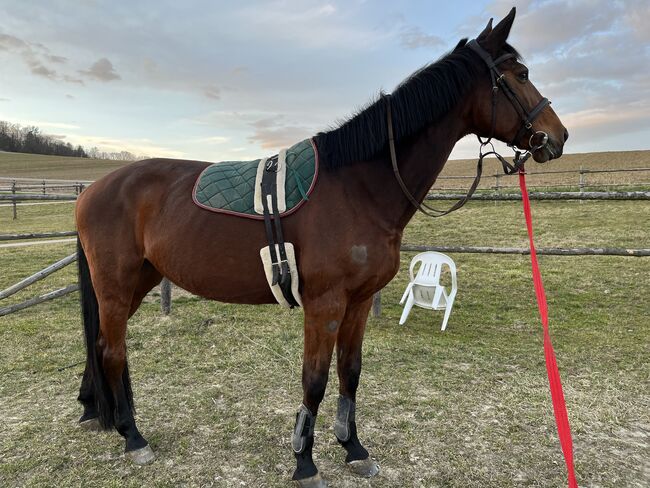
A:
<point x="498" y="83"/>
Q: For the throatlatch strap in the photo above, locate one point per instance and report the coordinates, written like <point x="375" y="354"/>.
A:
<point x="557" y="395"/>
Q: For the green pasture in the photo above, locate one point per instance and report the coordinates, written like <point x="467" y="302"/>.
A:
<point x="217" y="386"/>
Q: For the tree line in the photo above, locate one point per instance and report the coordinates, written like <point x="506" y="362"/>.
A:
<point x="30" y="139"/>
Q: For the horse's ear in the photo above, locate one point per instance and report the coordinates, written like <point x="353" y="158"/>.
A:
<point x="486" y="31"/>
<point x="498" y="36"/>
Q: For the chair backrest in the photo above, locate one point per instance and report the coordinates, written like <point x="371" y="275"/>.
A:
<point x="431" y="263"/>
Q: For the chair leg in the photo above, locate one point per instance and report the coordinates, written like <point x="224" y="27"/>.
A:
<point x="450" y="302"/>
<point x="407" y="308"/>
<point x="406" y="293"/>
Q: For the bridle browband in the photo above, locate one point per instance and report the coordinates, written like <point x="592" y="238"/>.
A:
<point x="498" y="83"/>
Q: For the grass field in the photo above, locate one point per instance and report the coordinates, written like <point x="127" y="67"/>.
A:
<point x="217" y="385"/>
<point x="19" y="165"/>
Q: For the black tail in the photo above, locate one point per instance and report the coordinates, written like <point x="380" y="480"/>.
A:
<point x="104" y="399"/>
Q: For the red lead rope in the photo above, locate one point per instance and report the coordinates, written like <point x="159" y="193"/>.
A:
<point x="557" y="395"/>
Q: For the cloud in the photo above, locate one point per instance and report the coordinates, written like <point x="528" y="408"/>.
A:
<point x="57" y="59"/>
<point x="271" y="133"/>
<point x="12" y="43"/>
<point x="101" y="70"/>
<point x="36" y="56"/>
<point x="412" y="37"/>
<point x="5" y="100"/>
<point x="29" y="55"/>
<point x="212" y="92"/>
<point x="72" y="79"/>
<point x="40" y="70"/>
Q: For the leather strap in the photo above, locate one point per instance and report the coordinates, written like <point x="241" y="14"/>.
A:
<point x="421" y="206"/>
<point x="280" y="267"/>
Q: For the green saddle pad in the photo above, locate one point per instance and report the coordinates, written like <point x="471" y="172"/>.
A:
<point x="229" y="186"/>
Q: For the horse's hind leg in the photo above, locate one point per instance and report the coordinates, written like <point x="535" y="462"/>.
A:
<point x="348" y="354"/>
<point x="107" y="302"/>
<point x="149" y="277"/>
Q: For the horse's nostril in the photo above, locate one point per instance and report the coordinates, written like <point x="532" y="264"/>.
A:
<point x="566" y="134"/>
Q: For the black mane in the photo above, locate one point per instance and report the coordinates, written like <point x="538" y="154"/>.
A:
<point x="422" y="99"/>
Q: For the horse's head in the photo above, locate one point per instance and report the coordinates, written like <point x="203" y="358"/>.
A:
<point x="507" y="105"/>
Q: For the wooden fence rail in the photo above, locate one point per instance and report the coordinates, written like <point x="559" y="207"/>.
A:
<point x="548" y="251"/>
<point x="38" y="276"/>
<point x="39" y="299"/>
<point x="37" y="235"/>
<point x="35" y="196"/>
<point x="555" y="195"/>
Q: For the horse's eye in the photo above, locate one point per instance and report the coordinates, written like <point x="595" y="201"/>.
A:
<point x="523" y="76"/>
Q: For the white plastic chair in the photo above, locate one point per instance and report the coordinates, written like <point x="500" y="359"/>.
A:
<point x="425" y="290"/>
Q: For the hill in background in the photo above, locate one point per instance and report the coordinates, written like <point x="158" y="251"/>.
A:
<point x="61" y="167"/>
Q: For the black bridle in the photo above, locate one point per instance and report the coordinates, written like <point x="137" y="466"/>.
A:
<point x="499" y="83"/>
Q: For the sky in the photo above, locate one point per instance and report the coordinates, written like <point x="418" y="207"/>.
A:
<point x="216" y="80"/>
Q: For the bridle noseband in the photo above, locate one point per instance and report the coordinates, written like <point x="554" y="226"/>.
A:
<point x="499" y="83"/>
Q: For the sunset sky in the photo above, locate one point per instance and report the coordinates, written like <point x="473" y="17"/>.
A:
<point x="229" y="80"/>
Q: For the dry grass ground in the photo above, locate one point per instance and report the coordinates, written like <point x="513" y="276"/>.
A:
<point x="217" y="385"/>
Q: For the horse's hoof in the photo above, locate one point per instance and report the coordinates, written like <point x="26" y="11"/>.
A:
<point x="312" y="482"/>
<point x="142" y="456"/>
<point x="365" y="467"/>
<point x="92" y="425"/>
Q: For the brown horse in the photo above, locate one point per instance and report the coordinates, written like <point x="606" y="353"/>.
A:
<point x="139" y="224"/>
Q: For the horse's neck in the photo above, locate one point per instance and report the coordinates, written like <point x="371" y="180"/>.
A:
<point x="420" y="159"/>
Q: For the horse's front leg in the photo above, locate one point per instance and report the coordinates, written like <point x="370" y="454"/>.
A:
<point x="323" y="317"/>
<point x="348" y="353"/>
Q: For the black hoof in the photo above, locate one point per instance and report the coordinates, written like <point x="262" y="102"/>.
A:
<point x="365" y="467"/>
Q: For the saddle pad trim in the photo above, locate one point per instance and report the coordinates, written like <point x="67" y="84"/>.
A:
<point x="265" y="255"/>
<point x="259" y="217"/>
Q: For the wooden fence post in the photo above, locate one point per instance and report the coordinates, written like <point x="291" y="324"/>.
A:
<point x="165" y="296"/>
<point x="13" y="191"/>
<point x="582" y="179"/>
<point x="376" y="304"/>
